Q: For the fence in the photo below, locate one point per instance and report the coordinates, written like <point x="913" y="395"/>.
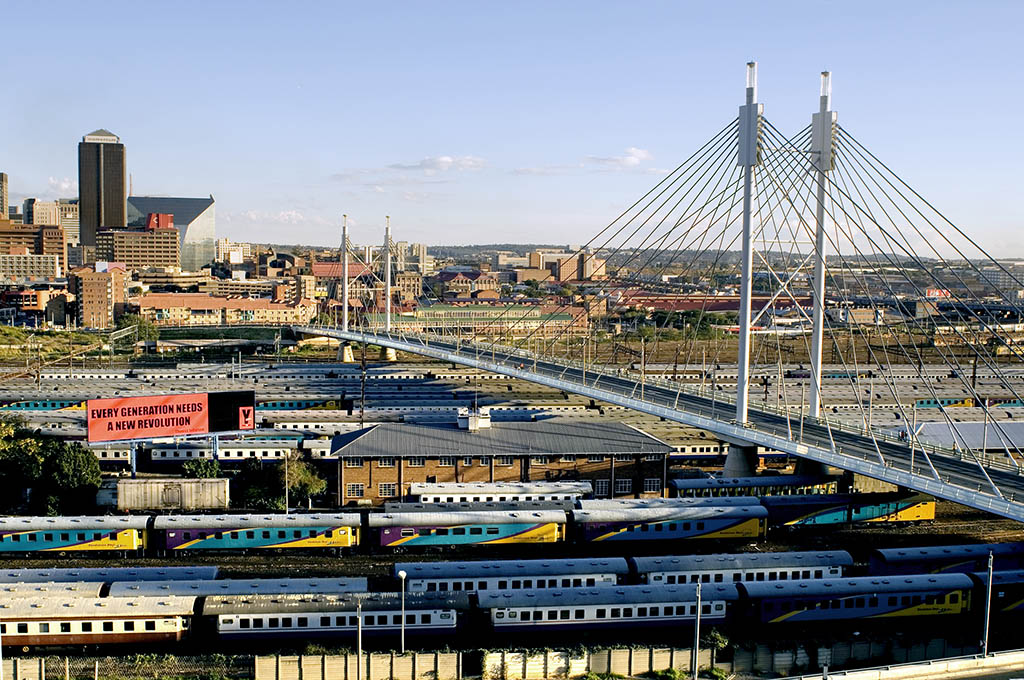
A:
<point x="140" y="667"/>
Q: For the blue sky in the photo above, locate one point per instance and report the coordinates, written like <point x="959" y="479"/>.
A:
<point x="477" y="122"/>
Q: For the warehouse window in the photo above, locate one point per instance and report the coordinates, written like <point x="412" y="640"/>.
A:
<point x="354" y="490"/>
<point x="623" y="458"/>
<point x="387" y="490"/>
<point x="601" y="487"/>
<point x="652" y="484"/>
<point x="504" y="461"/>
<point x="386" y="462"/>
<point x="468" y="461"/>
<point x="595" y="458"/>
<point x="539" y="460"/>
<point x="446" y="461"/>
<point x="417" y="461"/>
<point x="623" y="486"/>
<point x="354" y="462"/>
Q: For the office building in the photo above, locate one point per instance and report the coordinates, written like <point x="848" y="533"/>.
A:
<point x="233" y="253"/>
<point x="34" y="239"/>
<point x="39" y="212"/>
<point x="67" y="218"/>
<point x="200" y="309"/>
<point x="25" y="265"/>
<point x="4" y="196"/>
<point x="139" y="248"/>
<point x="194" y="218"/>
<point x="100" y="296"/>
<point x="102" y="192"/>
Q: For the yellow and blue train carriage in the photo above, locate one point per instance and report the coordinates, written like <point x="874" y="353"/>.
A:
<point x="660" y="523"/>
<point x="72" y="534"/>
<point x="802" y="511"/>
<point x="215" y="533"/>
<point x="849" y="599"/>
<point x="431" y="529"/>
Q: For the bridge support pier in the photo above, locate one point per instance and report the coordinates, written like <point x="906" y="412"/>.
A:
<point x="388" y="354"/>
<point x="345" y="354"/>
<point x="805" y="466"/>
<point x="741" y="461"/>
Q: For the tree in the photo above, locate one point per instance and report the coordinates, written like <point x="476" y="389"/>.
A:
<point x="69" y="481"/>
<point x="303" y="481"/>
<point x="256" y="487"/>
<point x="146" y="329"/>
<point x="201" y="468"/>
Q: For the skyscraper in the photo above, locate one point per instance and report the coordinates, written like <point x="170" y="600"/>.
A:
<point x="102" y="194"/>
<point x="3" y="194"/>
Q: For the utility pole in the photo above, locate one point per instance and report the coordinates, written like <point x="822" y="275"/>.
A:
<point x="387" y="274"/>
<point x="344" y="272"/>
<point x="747" y="158"/>
<point x="988" y="605"/>
<point x="823" y="125"/>
<point x="696" y="636"/>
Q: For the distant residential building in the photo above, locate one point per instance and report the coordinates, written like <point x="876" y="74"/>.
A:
<point x="194" y="218"/>
<point x="579" y="267"/>
<point x="171" y="277"/>
<point x="80" y="256"/>
<point x="14" y="214"/>
<point x="463" y="283"/>
<point x="408" y="285"/>
<point x="25" y="265"/>
<point x="256" y="288"/>
<point x="231" y="252"/>
<point x="199" y="309"/>
<point x="156" y="246"/>
<point x="35" y="239"/>
<point x="100" y="296"/>
<point x="508" y="260"/>
<point x="102" y="190"/>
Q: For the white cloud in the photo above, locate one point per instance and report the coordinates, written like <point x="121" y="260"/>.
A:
<point x="282" y="217"/>
<point x="63" y="186"/>
<point x="431" y="165"/>
<point x="633" y="158"/>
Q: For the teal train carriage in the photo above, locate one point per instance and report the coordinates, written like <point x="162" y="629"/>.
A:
<point x="439" y="529"/>
<point x="121" y="535"/>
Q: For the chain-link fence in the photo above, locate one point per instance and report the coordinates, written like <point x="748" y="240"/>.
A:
<point x="138" y="667"/>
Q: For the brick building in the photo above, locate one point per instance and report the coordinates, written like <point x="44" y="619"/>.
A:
<point x="139" y="248"/>
<point x="380" y="462"/>
<point x="34" y="239"/>
<point x="100" y="297"/>
<point x="200" y="309"/>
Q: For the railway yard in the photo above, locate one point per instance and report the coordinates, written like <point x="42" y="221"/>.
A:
<point x="516" y="520"/>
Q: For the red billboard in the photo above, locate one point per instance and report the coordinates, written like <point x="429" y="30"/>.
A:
<point x="169" y="415"/>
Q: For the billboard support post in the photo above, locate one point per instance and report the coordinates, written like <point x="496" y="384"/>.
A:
<point x="133" y="453"/>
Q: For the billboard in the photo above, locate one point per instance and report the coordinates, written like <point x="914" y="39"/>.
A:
<point x="169" y="415"/>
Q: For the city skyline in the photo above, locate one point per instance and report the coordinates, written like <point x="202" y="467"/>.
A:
<point x="472" y="124"/>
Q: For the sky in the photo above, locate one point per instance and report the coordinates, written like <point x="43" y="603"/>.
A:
<point x="484" y="122"/>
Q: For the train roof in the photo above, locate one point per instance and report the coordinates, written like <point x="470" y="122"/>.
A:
<point x="52" y="589"/>
<point x="936" y="552"/>
<point x="418" y="488"/>
<point x="691" y="501"/>
<point x="751" y="482"/>
<point x="72" y="523"/>
<point x="107" y="575"/>
<point x="450" y="519"/>
<point x="262" y="604"/>
<point x="489" y="568"/>
<point x="840" y="587"/>
<point x="477" y="506"/>
<point x="261" y="586"/>
<point x="683" y="513"/>
<point x="742" y="561"/>
<point x="218" y="522"/>
<point x="1002" y="578"/>
<point x="94" y="608"/>
<point x="612" y="595"/>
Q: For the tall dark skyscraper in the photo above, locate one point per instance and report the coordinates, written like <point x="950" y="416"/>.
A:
<point x="3" y="195"/>
<point x="102" y="194"/>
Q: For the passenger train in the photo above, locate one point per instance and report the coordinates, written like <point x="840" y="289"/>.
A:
<point x="517" y="600"/>
<point x="427" y="525"/>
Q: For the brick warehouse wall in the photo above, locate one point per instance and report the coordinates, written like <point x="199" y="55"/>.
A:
<point x="383" y="479"/>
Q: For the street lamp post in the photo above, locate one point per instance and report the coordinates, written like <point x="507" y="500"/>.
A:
<point x="401" y="577"/>
<point x="988" y="605"/>
<point x="696" y="635"/>
<point x="359" y="640"/>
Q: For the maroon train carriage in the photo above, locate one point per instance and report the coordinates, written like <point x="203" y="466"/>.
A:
<point x="63" y="621"/>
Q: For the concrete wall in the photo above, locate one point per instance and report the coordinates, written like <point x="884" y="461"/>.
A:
<point x="411" y="666"/>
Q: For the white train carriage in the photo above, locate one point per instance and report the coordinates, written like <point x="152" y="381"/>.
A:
<point x="745" y="567"/>
<point x="512" y="575"/>
<point x="478" y="492"/>
<point x="230" y="586"/>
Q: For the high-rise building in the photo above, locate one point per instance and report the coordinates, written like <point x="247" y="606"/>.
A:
<point x="100" y="297"/>
<point x="194" y="218"/>
<point x="38" y="240"/>
<point x="102" y="193"/>
<point x="139" y="248"/>
<point x="46" y="213"/>
<point x="4" y="196"/>
<point x="67" y="213"/>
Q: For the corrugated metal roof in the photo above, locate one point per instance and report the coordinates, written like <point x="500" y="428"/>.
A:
<point x="482" y="569"/>
<point x="52" y="589"/>
<point x="544" y="437"/>
<point x="864" y="585"/>
<point x="661" y="514"/>
<point x="263" y="604"/>
<point x="972" y="435"/>
<point x="94" y="608"/>
<point x="108" y="575"/>
<point x="469" y="506"/>
<point x="260" y="586"/>
<point x="227" y="522"/>
<point x="71" y="523"/>
<point x="688" y="502"/>
<point x="742" y="561"/>
<point x="942" y="552"/>
<point x="621" y="595"/>
<point x="418" y="488"/>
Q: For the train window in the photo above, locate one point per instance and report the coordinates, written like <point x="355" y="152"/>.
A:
<point x="219" y="536"/>
<point x="836" y="604"/>
<point x="266" y="534"/>
<point x="737" y="577"/>
<point x="905" y="600"/>
<point x="396" y="619"/>
<point x="298" y="534"/>
<point x="616" y="613"/>
<point x="442" y="532"/>
<point x="601" y="613"/>
<point x="759" y="576"/>
<point x="87" y="626"/>
<point x="527" y="583"/>
<point x="340" y="621"/>
<point x="499" y="615"/>
<point x="719" y="578"/>
<point x="257" y="623"/>
<point x="517" y="584"/>
<point x="22" y="627"/>
<point x="424" y="618"/>
<point x="641" y="611"/>
<point x="64" y="628"/>
<point x="325" y="621"/>
<point x="129" y="625"/>
<point x="410" y="618"/>
<point x="481" y="585"/>
<point x="645" y="527"/>
<point x="700" y="525"/>
<point x="772" y="576"/>
<point x="250" y="534"/>
<point x="286" y="622"/>
<point x="849" y="603"/>
<point x="916" y="600"/>
<point x="47" y="537"/>
<point x="97" y="536"/>
<point x="578" y="614"/>
<point x="563" y="614"/>
<point x="686" y="526"/>
<point x="32" y="538"/>
<point x="15" y="537"/>
<point x="873" y="602"/>
<point x="654" y="611"/>
<point x="281" y="534"/>
<point x="552" y="615"/>
<point x="424" y="532"/>
<point x="795" y="575"/>
<point x="151" y="625"/>
<point x="577" y="583"/>
<point x="566" y="582"/>
<point x="818" y="573"/>
<point x="954" y="598"/>
<point x="202" y="534"/>
<point x="705" y="578"/>
<point x="460" y="531"/>
<point x="188" y="535"/>
<point x="591" y="582"/>
<point x="443" y="585"/>
<point x="672" y="526"/>
<point x="893" y="600"/>
<point x="408" y="532"/>
<point x="670" y="579"/>
<point x="476" y="531"/>
<point x="65" y="537"/>
<point x="274" y="622"/>
<point x="524" y="616"/>
<point x="457" y="586"/>
<point x="681" y="610"/>
<point x="44" y="628"/>
<point x="659" y="527"/>
<point x="705" y="609"/>
<point x="493" y="531"/>
<point x="694" y="578"/>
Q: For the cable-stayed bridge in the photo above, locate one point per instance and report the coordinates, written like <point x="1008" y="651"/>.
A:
<point x="826" y="250"/>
